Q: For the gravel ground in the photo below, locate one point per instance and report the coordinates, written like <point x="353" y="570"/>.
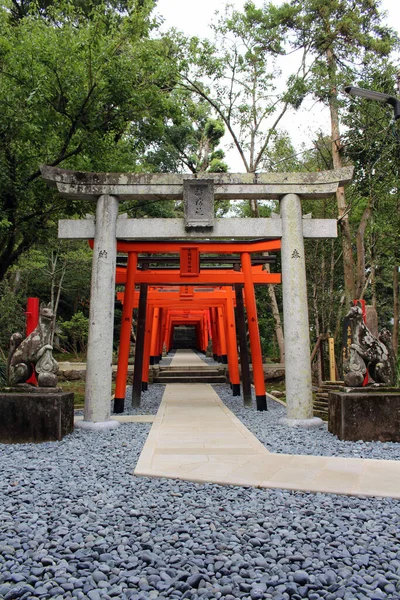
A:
<point x="75" y="523"/>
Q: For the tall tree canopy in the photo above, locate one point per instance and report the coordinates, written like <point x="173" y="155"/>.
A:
<point x="74" y="91"/>
<point x="339" y="37"/>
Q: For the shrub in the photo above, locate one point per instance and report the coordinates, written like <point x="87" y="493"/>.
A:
<point x="73" y="334"/>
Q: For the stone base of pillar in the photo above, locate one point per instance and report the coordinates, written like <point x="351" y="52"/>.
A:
<point x="313" y="423"/>
<point x="97" y="425"/>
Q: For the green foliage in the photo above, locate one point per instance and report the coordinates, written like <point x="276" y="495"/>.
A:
<point x="73" y="334"/>
<point x="237" y="75"/>
<point x="340" y="36"/>
<point x="80" y="92"/>
<point x="188" y="138"/>
<point x="3" y="370"/>
<point x="266" y="324"/>
<point x="372" y="144"/>
<point x="12" y="317"/>
<point x="63" y="267"/>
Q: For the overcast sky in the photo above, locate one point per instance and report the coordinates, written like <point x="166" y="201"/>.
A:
<point x="193" y="18"/>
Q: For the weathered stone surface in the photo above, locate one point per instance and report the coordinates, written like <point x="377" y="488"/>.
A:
<point x="133" y="229"/>
<point x="169" y="186"/>
<point x="38" y="417"/>
<point x="73" y="375"/>
<point x="295" y="312"/>
<point x="101" y="314"/>
<point x="372" y="319"/>
<point x="198" y="201"/>
<point x="363" y="352"/>
<point x="35" y="351"/>
<point x="70" y="373"/>
<point x="271" y="371"/>
<point x="368" y="416"/>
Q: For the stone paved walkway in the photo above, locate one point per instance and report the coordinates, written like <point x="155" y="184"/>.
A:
<point x="196" y="437"/>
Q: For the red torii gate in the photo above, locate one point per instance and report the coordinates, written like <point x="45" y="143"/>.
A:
<point x="175" y="310"/>
<point x="191" y="274"/>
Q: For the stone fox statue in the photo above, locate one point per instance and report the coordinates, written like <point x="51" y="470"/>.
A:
<point x="367" y="353"/>
<point x="33" y="352"/>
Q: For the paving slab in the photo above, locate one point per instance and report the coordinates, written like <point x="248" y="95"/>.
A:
<point x="187" y="358"/>
<point x="195" y="437"/>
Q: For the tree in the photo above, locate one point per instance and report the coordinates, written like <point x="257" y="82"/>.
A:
<point x="75" y="92"/>
<point x="189" y="138"/>
<point x="237" y="77"/>
<point x="339" y="37"/>
<point x="373" y="145"/>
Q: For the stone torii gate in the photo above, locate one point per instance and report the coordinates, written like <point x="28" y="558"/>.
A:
<point x="198" y="193"/>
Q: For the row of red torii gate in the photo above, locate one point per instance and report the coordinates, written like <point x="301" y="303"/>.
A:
<point x="223" y="276"/>
<point x="198" y="233"/>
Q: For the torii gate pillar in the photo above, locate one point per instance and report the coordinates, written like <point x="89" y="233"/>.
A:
<point x="295" y="314"/>
<point x="101" y="318"/>
<point x="105" y="188"/>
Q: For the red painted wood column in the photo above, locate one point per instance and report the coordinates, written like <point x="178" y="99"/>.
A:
<point x="221" y="336"/>
<point x="214" y="335"/>
<point x="154" y="335"/>
<point x="233" y="359"/>
<point x="159" y="335"/>
<point x="31" y="321"/>
<point x="170" y="332"/>
<point x="163" y="339"/>
<point x="125" y="334"/>
<point x="255" y="344"/>
<point x="205" y="330"/>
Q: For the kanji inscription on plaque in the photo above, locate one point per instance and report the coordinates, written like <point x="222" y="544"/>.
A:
<point x="198" y="199"/>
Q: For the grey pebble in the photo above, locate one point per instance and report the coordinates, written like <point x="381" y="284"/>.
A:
<point x="80" y="526"/>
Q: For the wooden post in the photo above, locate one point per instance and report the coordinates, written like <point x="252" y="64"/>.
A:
<point x="244" y="353"/>
<point x="233" y="360"/>
<point x="125" y="334"/>
<point x="221" y="335"/>
<point x="154" y="335"/>
<point x="332" y="366"/>
<point x="214" y="336"/>
<point x="146" y="348"/>
<point x="140" y="335"/>
<point x="255" y="344"/>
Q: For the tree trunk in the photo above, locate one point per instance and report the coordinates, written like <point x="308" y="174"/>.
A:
<point x="361" y="249"/>
<point x="317" y="333"/>
<point x="278" y="323"/>
<point x="348" y="259"/>
<point x="373" y="276"/>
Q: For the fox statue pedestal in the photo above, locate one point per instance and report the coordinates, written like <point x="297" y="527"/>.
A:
<point x="368" y="414"/>
<point x="29" y="413"/>
<point x="35" y="415"/>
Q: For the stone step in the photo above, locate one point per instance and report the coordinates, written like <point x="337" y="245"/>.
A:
<point x="320" y="407"/>
<point x="329" y="386"/>
<point x="191" y="373"/>
<point x="189" y="378"/>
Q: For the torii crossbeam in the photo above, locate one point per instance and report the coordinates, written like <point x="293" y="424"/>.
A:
<point x="107" y="189"/>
